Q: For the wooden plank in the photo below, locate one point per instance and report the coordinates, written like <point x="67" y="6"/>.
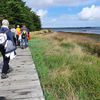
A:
<point x="23" y="83"/>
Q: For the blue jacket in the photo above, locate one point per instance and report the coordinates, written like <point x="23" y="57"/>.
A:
<point x="10" y="45"/>
<point x="9" y="33"/>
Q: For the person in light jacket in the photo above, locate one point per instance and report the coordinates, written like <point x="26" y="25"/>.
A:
<point x="4" y="49"/>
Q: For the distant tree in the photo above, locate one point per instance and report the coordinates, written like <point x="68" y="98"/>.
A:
<point x="19" y="14"/>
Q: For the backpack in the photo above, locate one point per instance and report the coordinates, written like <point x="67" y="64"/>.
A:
<point x="24" y="34"/>
<point x="3" y="38"/>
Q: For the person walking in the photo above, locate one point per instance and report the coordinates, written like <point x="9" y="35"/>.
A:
<point x="13" y="30"/>
<point x="24" y="28"/>
<point x="18" y="34"/>
<point x="6" y="48"/>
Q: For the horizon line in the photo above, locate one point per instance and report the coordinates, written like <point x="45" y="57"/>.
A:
<point x="75" y="27"/>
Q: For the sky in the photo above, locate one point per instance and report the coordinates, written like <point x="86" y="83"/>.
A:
<point x="67" y="13"/>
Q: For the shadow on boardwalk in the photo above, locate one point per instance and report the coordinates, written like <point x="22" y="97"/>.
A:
<point x="23" y="83"/>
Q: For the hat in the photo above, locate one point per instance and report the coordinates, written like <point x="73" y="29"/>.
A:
<point x="5" y="22"/>
<point x="18" y="26"/>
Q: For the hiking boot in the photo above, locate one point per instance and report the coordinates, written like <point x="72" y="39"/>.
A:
<point x="4" y="76"/>
<point x="9" y="70"/>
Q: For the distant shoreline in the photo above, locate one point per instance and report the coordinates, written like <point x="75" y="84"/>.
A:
<point x="78" y="33"/>
<point x="87" y="30"/>
<point x="66" y="27"/>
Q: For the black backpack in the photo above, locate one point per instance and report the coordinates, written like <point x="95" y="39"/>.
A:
<point x="24" y="34"/>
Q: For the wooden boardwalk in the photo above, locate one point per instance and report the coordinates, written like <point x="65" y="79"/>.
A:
<point x="23" y="83"/>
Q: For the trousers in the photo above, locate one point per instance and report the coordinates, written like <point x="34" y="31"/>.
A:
<point x="5" y="60"/>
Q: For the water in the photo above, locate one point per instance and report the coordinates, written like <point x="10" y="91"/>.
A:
<point x="92" y="30"/>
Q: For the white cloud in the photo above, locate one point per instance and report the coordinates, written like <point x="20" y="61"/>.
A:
<point x="61" y="20"/>
<point x="41" y="12"/>
<point x="92" y="13"/>
<point x="67" y="21"/>
<point x="40" y="4"/>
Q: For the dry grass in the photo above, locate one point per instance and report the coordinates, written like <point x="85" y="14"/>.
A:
<point x="61" y="36"/>
<point x="90" y="44"/>
<point x="61" y="71"/>
<point x="67" y="71"/>
<point x="77" y="51"/>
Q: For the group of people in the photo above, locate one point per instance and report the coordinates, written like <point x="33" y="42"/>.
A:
<point x="9" y="40"/>
<point x="21" y="36"/>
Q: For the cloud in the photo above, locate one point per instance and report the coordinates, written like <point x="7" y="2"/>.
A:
<point x="90" y="13"/>
<point x="41" y="12"/>
<point x="67" y="21"/>
<point x="40" y="4"/>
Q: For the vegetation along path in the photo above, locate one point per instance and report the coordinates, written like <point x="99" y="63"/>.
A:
<point x="23" y="83"/>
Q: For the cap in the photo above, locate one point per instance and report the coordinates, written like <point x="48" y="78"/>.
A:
<point x="18" y="26"/>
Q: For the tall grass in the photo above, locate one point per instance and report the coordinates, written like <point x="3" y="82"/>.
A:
<point x="65" y="70"/>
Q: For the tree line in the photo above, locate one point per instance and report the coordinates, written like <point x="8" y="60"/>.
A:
<point x="18" y="13"/>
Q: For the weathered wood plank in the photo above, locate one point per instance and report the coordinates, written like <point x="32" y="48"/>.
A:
<point x="23" y="83"/>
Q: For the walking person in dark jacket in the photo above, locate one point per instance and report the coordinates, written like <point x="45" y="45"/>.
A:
<point x="5" y="29"/>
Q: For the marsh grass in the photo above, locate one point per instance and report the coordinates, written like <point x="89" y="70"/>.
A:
<point x="66" y="70"/>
